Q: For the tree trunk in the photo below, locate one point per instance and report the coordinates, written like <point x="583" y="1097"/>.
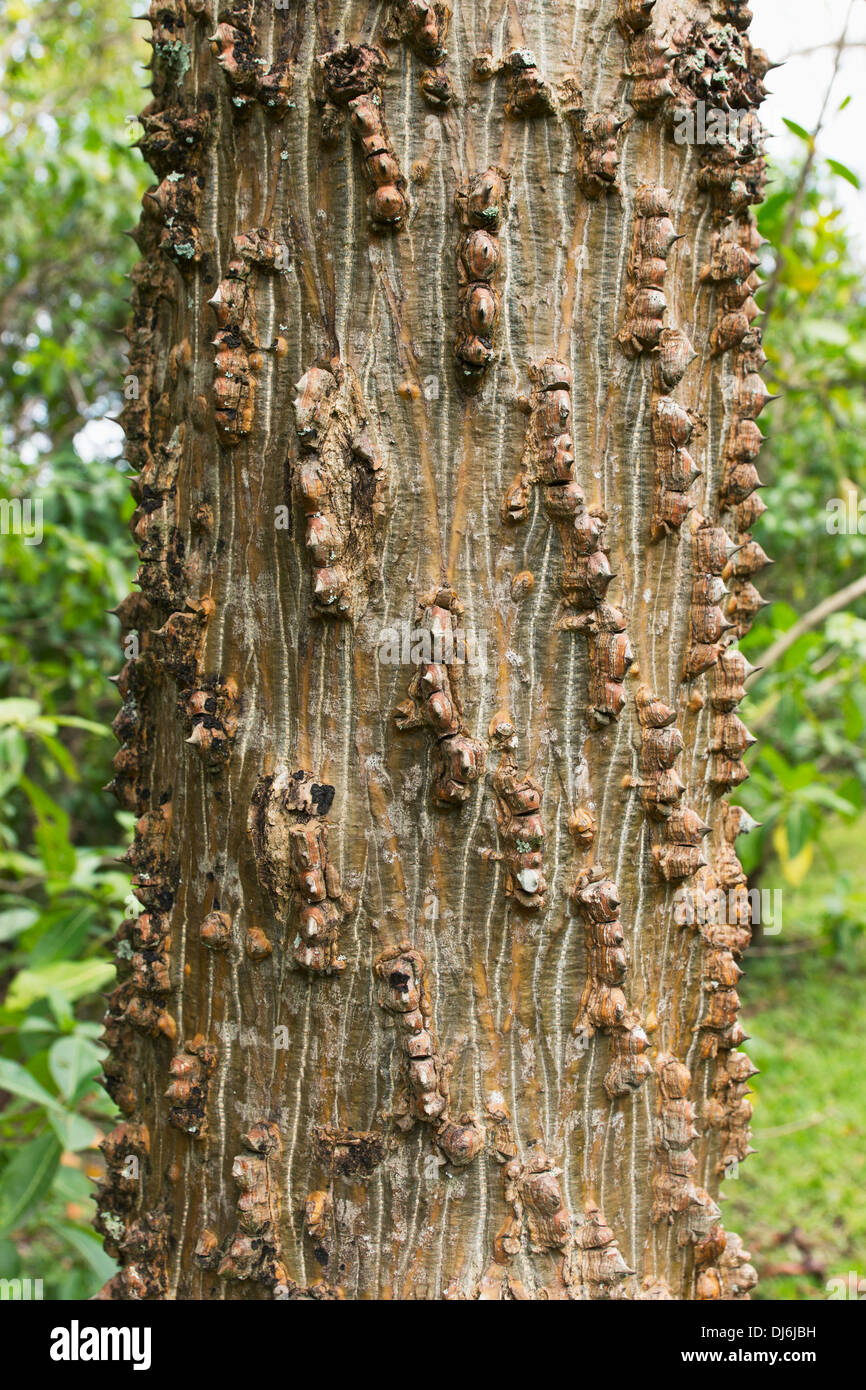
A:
<point x="429" y="708"/>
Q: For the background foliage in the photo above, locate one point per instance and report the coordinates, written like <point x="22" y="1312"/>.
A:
<point x="69" y="186"/>
<point x="809" y="708"/>
<point x="69" y="183"/>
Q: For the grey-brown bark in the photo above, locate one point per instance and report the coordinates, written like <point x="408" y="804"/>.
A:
<point x="438" y="331"/>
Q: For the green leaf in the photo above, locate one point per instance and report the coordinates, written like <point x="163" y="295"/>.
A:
<point x="61" y="756"/>
<point x="825" y="796"/>
<point x="19" y="712"/>
<point x="854" y="719"/>
<point x="26" y="1178"/>
<point x="13" y="757"/>
<point x="73" y="1131"/>
<point x="851" y="790"/>
<point x="17" y="1079"/>
<point x="844" y="172"/>
<point x="61" y="936"/>
<point x="51" y="832"/>
<point x="798" y="828"/>
<point x="71" y="979"/>
<point x="784" y="616"/>
<point x="89" y="1248"/>
<point x="16" y="920"/>
<point x="791" y="776"/>
<point x="794" y="867"/>
<point x="62" y="1011"/>
<point x="71" y="1061"/>
<point x="828" y="331"/>
<point x="33" y="1023"/>
<point x="798" y="130"/>
<point x="72" y="721"/>
<point x="20" y="864"/>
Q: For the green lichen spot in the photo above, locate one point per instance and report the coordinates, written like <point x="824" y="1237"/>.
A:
<point x="177" y="57"/>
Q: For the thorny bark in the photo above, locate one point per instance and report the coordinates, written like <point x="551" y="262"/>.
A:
<point x="432" y="995"/>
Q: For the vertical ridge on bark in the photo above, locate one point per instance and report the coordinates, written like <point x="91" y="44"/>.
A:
<point x="435" y="997"/>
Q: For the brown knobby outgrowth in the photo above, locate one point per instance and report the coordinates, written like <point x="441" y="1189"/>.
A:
<point x="434" y="703"/>
<point x="588" y="1263"/>
<point x="352" y="77"/>
<point x="649" y="56"/>
<point x="423" y="25"/>
<point x="712" y="550"/>
<point x="349" y="1153"/>
<point x="238" y="359"/>
<point x="596" y="1269"/>
<point x="548" y="459"/>
<point x="596" y="135"/>
<point x="403" y="992"/>
<point x="250" y="77"/>
<point x="529" y="93"/>
<point x="142" y="1250"/>
<point x="678" y="831"/>
<point x="339" y="482"/>
<point x="724" y="1268"/>
<point x="672" y="428"/>
<point x="677" y="1199"/>
<point x="126" y="1150"/>
<point x="482" y="203"/>
<point x="289" y="828"/>
<point x="187" y="1091"/>
<point x="604" y="1005"/>
<point x="654" y="235"/>
<point x="253" y="1250"/>
<point x="518" y="817"/>
<point x="211" y="714"/>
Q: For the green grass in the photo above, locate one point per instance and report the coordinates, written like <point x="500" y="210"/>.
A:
<point x="800" y="1201"/>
